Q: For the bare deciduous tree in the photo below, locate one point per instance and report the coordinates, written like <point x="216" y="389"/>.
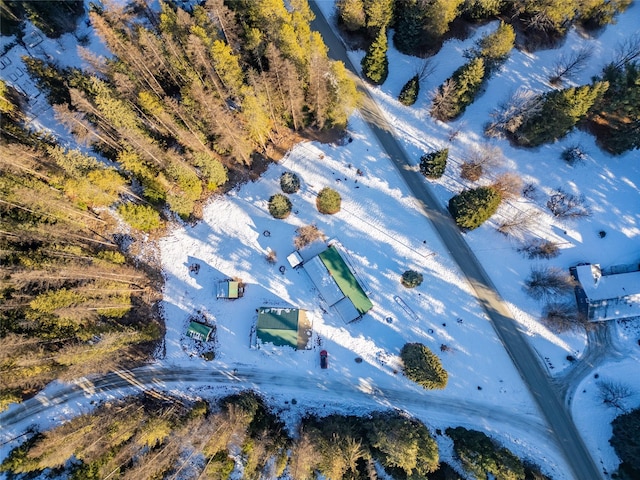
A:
<point x="627" y="51"/>
<point x="540" y="248"/>
<point x="508" y="185"/>
<point x="518" y="223"/>
<point x="567" y="205"/>
<point x="569" y="64"/>
<point x="508" y="117"/>
<point x="306" y="235"/>
<point x="548" y="282"/>
<point x="479" y="160"/>
<point x="613" y="394"/>
<point x="443" y="100"/>
<point x="561" y="316"/>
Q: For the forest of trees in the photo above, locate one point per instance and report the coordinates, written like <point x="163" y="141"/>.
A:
<point x="185" y="103"/>
<point x="159" y="436"/>
<point x="189" y="98"/>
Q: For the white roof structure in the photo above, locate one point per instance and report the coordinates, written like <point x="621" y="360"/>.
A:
<point x="323" y="281"/>
<point x="610" y="296"/>
<point x="347" y="310"/>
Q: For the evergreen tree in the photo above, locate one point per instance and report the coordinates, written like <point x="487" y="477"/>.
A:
<point x="379" y="14"/>
<point x="351" y="14"/>
<point x="495" y="47"/>
<point x="410" y="90"/>
<point x="480" y="456"/>
<point x="400" y="442"/>
<point x="433" y="164"/>
<point x="375" y="64"/>
<point x="460" y="89"/>
<point x="409" y="21"/>
<point x="422" y="366"/>
<point x="625" y="441"/>
<point x="560" y="112"/>
<point x="472" y="208"/>
<point x="615" y="117"/>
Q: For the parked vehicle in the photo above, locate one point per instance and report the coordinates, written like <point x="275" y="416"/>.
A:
<point x="324" y="362"/>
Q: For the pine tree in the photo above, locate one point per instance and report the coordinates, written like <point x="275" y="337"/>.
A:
<point x="410" y="90"/>
<point x="560" y="112"/>
<point x="409" y="26"/>
<point x="616" y="115"/>
<point x="375" y="64"/>
<point x="472" y="208"/>
<point x="379" y="14"/>
<point x="458" y="92"/>
<point x="495" y="47"/>
<point x="351" y="14"/>
<point x="433" y="164"/>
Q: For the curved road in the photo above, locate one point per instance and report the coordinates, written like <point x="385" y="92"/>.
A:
<point x="523" y="356"/>
<point x="158" y="379"/>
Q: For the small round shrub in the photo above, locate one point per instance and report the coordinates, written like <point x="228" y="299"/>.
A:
<point x="279" y="206"/>
<point x="433" y="164"/>
<point x="328" y="201"/>
<point x="289" y="182"/>
<point x="411" y="279"/>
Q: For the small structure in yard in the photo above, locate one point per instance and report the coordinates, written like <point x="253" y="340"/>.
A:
<point x="338" y="285"/>
<point x="284" y="327"/>
<point x="607" y="295"/>
<point x="199" y="331"/>
<point x="294" y="259"/>
<point x="230" y="289"/>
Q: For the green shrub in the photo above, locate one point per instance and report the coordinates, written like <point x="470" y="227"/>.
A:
<point x="411" y="279"/>
<point x="289" y="182"/>
<point x="410" y="90"/>
<point x="472" y="208"/>
<point x="141" y="217"/>
<point x="328" y="201"/>
<point x="433" y="164"/>
<point x="279" y="206"/>
<point x="480" y="455"/>
<point x="423" y="367"/>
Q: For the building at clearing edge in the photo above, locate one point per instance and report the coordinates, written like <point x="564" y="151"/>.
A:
<point x="284" y="327"/>
<point x="607" y="296"/>
<point x="337" y="284"/>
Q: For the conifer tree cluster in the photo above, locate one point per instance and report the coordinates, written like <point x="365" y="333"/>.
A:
<point x="190" y="96"/>
<point x="615" y="116"/>
<point x="73" y="302"/>
<point x="559" y="112"/>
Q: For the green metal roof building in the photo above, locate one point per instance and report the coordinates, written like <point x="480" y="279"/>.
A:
<point x="284" y="327"/>
<point x="345" y="279"/>
<point x="199" y="331"/>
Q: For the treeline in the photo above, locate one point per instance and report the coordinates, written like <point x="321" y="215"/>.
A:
<point x="157" y="436"/>
<point x="420" y="26"/>
<point x="188" y="98"/>
<point x="73" y="300"/>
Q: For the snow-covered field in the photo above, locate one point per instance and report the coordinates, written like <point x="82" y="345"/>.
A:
<point x="385" y="233"/>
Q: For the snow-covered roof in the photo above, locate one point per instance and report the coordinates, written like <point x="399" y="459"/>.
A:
<point x="605" y="287"/>
<point x="324" y="282"/>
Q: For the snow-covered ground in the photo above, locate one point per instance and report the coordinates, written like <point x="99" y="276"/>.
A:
<point x="385" y="233"/>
